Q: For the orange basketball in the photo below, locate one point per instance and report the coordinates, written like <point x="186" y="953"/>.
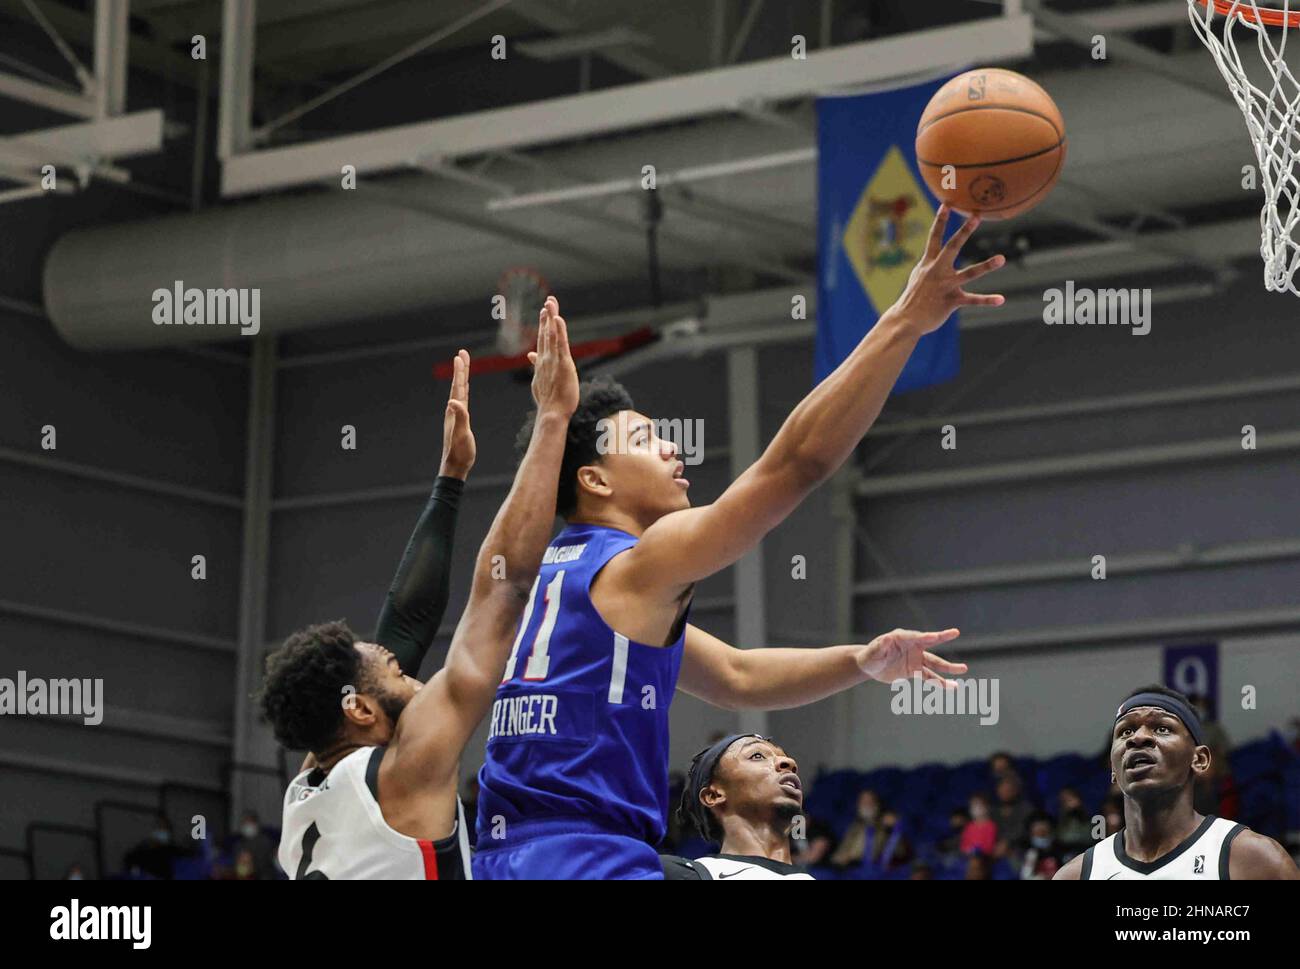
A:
<point x="1003" y="137"/>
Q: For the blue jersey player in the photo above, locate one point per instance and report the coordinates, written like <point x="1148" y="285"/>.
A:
<point x="575" y="779"/>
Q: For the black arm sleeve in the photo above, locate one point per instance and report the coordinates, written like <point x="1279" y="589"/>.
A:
<point x="418" y="596"/>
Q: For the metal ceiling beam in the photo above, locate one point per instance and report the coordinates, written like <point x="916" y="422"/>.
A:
<point x="80" y="29"/>
<point x="756" y="261"/>
<point x="45" y="96"/>
<point x="1080" y="31"/>
<point x="622" y="186"/>
<point x="235" y="107"/>
<point x="423" y="44"/>
<point x="398" y="22"/>
<point x="482" y="223"/>
<point x="546" y="16"/>
<point x="112" y="33"/>
<point x="20" y="194"/>
<point x="1129" y="17"/>
<point x="78" y="145"/>
<point x="744" y="30"/>
<point x="629" y="106"/>
<point x="576" y="45"/>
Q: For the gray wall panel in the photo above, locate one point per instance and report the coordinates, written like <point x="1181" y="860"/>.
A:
<point x="121" y="554"/>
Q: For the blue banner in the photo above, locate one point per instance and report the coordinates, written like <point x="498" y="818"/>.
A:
<point x="1194" y="670"/>
<point x="874" y="215"/>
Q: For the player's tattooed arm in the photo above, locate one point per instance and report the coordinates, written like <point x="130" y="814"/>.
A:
<point x="442" y="717"/>
<point x="780" y="678"/>
<point x="1256" y="856"/>
<point x="817" y="437"/>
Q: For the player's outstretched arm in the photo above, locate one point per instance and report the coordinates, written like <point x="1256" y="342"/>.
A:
<point x="417" y="598"/>
<point x="440" y="720"/>
<point x="819" y="434"/>
<point x="779" y="678"/>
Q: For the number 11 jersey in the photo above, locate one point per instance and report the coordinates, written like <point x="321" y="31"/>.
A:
<point x="578" y="733"/>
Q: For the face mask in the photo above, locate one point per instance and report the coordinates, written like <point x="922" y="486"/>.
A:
<point x="868" y="813"/>
<point x="978" y="812"/>
<point x="76" y="876"/>
<point x="162" y="837"/>
<point x="1042" y="844"/>
<point x="248" y="831"/>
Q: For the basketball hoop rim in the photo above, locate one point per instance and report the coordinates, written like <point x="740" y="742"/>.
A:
<point x="1253" y="14"/>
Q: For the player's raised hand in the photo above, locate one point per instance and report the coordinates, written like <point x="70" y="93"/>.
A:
<point x="458" y="447"/>
<point x="902" y="653"/>
<point x="937" y="287"/>
<point x="555" y="378"/>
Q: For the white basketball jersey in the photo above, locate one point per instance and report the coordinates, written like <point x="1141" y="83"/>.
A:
<point x="1203" y="854"/>
<point x="333" y="828"/>
<point x="743" y="868"/>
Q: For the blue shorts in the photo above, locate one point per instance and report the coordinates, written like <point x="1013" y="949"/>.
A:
<point x="570" y="857"/>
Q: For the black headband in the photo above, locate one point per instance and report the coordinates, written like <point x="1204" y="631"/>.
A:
<point x="1170" y="704"/>
<point x="700" y="776"/>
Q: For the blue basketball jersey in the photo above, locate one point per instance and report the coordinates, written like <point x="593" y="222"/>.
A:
<point x="578" y="733"/>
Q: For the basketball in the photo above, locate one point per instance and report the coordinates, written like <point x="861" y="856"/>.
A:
<point x="1003" y="138"/>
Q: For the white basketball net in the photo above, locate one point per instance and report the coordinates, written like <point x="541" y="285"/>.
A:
<point x="1273" y="119"/>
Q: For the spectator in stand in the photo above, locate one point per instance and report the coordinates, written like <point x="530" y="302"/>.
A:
<point x="921" y="872"/>
<point x="816" y="845"/>
<point x="1000" y="765"/>
<point x="848" y="854"/>
<point x="154" y="856"/>
<point x="979" y="868"/>
<point x="1073" y="826"/>
<point x="981" y="833"/>
<point x="245" y="867"/>
<point x="74" y="873"/>
<point x="1043" y="855"/>
<point x="1216" y="738"/>
<point x="949" y="847"/>
<point x="886" y="848"/>
<point x="1011" y="815"/>
<point x="253" y="840"/>
<point x="1112" y="810"/>
<point x="1217" y="784"/>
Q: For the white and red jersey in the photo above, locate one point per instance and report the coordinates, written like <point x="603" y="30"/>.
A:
<point x="333" y="828"/>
